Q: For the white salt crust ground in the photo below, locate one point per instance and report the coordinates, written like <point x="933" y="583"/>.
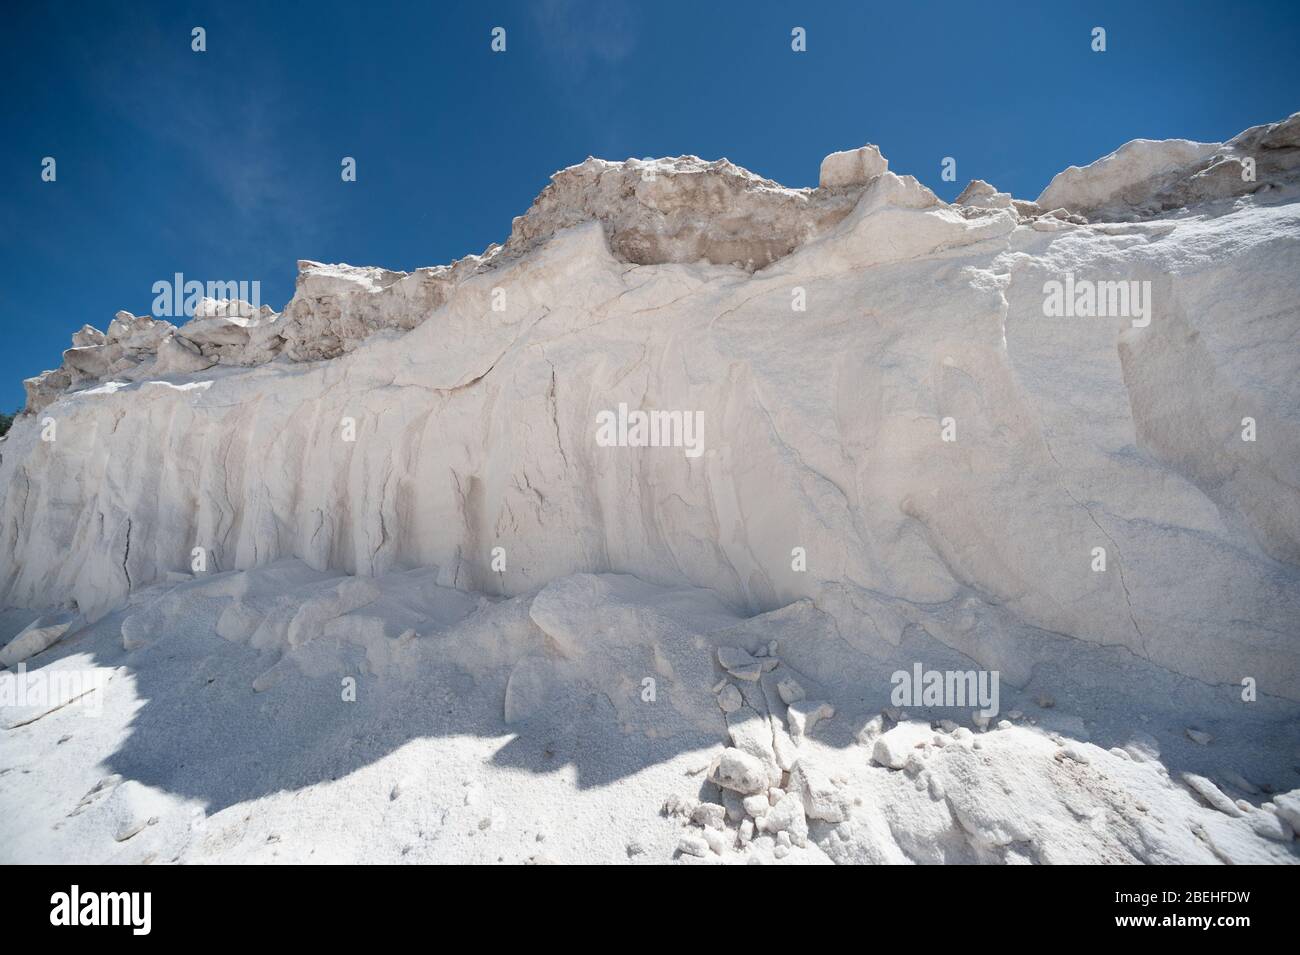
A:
<point x="514" y="730"/>
<point x="499" y="716"/>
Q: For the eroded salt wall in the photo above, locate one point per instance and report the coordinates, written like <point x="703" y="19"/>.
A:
<point x="946" y="454"/>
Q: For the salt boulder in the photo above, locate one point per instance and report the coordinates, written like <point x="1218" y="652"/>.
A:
<point x="852" y="167"/>
<point x="40" y="634"/>
<point x="1288" y="807"/>
<point x="822" y="799"/>
<point x="803" y="715"/>
<point x="738" y="771"/>
<point x="893" y="747"/>
<point x="787" y="816"/>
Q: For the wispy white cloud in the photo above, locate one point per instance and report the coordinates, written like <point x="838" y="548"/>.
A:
<point x="227" y="128"/>
<point x="577" y="35"/>
<point x="585" y="43"/>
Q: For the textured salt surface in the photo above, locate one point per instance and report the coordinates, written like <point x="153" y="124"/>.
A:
<point x="496" y="586"/>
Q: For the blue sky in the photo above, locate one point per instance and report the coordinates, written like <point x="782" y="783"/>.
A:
<point x="224" y="165"/>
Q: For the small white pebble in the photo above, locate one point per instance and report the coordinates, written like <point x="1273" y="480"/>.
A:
<point x="692" y="845"/>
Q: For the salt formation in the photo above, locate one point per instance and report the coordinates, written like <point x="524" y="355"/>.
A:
<point x="1145" y="177"/>
<point x="908" y="458"/>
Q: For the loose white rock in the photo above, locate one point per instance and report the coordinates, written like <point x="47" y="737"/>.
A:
<point x="710" y="815"/>
<point x="738" y="771"/>
<point x="787" y="816"/>
<point x="894" y="747"/>
<point x="822" y="799"/>
<point x="790" y="690"/>
<point x="1288" y="807"/>
<point x="40" y="634"/>
<point x="693" y="845"/>
<point x="1211" y="794"/>
<point x="718" y="840"/>
<point x="803" y="715"/>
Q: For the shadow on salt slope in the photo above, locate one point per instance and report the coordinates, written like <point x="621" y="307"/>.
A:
<point x="559" y="677"/>
<point x="201" y="730"/>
